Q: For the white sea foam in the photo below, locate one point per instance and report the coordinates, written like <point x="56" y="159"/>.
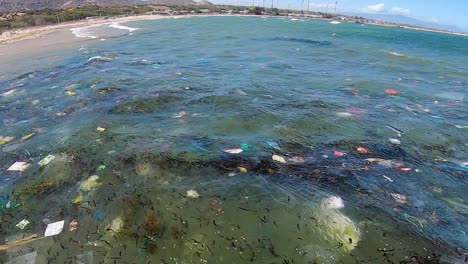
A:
<point x="396" y="54"/>
<point x="119" y="26"/>
<point x="84" y="32"/>
<point x="99" y="58"/>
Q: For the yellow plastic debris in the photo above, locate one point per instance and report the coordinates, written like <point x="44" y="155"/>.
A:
<point x="101" y="129"/>
<point x="278" y="158"/>
<point x="28" y="136"/>
<point x="242" y="169"/>
<point x="4" y="140"/>
<point x="70" y="93"/>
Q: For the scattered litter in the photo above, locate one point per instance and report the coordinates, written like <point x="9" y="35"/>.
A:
<point x="240" y="92"/>
<point x="181" y="114"/>
<point x="192" y="194"/>
<point x="90" y="183"/>
<point x="296" y="159"/>
<point x="362" y="150"/>
<point x="244" y="146"/>
<point x="4" y="140"/>
<point x="101" y="167"/>
<point x="22" y="224"/>
<point x="231" y="174"/>
<point x="338" y="228"/>
<point x="101" y="129"/>
<point x="99" y="215"/>
<point x="391" y="91"/>
<point x="242" y="169"/>
<point x="54" y="228"/>
<point x="383" y="162"/>
<point x="401" y="198"/>
<point x="337" y="153"/>
<point x="234" y="151"/>
<point x="19" y="166"/>
<point x="8" y="93"/>
<point x="116" y="224"/>
<point x="28" y="136"/>
<point x="395" y="141"/>
<point x="388" y="178"/>
<point x="405" y="169"/>
<point x="344" y="114"/>
<point x="273" y="144"/>
<point x="396" y="130"/>
<point x="70" y="93"/>
<point x="460" y="126"/>
<point x="73" y="225"/>
<point x="278" y="158"/>
<point x="46" y="160"/>
<point x="77" y="200"/>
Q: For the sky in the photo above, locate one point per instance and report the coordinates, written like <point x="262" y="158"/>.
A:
<point x="446" y="12"/>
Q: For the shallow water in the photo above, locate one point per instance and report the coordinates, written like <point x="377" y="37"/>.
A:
<point x="175" y="93"/>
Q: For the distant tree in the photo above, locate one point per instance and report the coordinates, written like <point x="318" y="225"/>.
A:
<point x="257" y="10"/>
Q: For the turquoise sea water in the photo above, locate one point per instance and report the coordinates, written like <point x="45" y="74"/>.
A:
<point x="174" y="94"/>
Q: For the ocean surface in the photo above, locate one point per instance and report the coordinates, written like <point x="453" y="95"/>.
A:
<point x="237" y="140"/>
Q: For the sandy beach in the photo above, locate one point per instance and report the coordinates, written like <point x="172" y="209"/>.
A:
<point x="12" y="36"/>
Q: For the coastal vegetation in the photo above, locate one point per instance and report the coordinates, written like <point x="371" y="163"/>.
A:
<point x="15" y="20"/>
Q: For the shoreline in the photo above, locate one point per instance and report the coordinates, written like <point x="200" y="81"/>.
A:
<point x="13" y="36"/>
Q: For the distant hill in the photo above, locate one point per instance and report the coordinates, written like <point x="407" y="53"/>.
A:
<point x="23" y="5"/>
<point x="400" y="19"/>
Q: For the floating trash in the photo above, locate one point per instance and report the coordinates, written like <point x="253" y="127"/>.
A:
<point x="70" y="93"/>
<point x="278" y="158"/>
<point x="28" y="136"/>
<point x="4" y="140"/>
<point x="46" y="160"/>
<point x="335" y="226"/>
<point x="400" y="198"/>
<point x="234" y="151"/>
<point x="116" y="225"/>
<point x="101" y="129"/>
<point x="396" y="130"/>
<point x="391" y="91"/>
<point x="273" y="144"/>
<point x="395" y="141"/>
<point x="54" y="228"/>
<point x="19" y="166"/>
<point x="89" y="184"/>
<point x="192" y="194"/>
<point x="22" y="224"/>
<point x="73" y="225"/>
<point x="242" y="169"/>
<point x="337" y="153"/>
<point x="99" y="215"/>
<point x="362" y="150"/>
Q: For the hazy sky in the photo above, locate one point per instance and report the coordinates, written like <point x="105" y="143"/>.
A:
<point x="450" y="12"/>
